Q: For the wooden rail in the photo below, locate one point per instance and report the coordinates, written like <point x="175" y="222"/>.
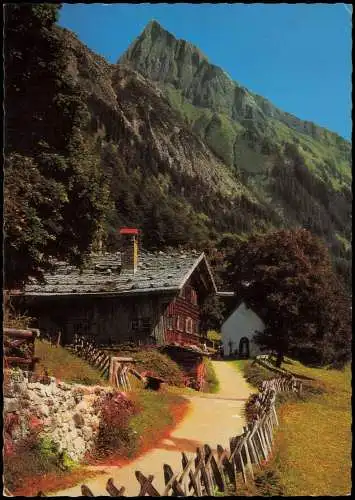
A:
<point x="19" y="348"/>
<point x="113" y="368"/>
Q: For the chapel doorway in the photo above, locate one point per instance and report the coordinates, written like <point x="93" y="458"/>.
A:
<point x="244" y="350"/>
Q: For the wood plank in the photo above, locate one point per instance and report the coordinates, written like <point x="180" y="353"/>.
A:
<point x="171" y="482"/>
<point x="86" y="492"/>
<point x="112" y="490"/>
<point x="186" y="466"/>
<point x="224" y="461"/>
<point x="13" y="332"/>
<point x="146" y="485"/>
<point x="204" y="475"/>
<point x="217" y="472"/>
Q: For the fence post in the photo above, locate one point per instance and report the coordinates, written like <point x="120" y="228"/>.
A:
<point x="216" y="471"/>
<point x="204" y="474"/>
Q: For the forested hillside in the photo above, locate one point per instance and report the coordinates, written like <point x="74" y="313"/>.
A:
<point x="92" y="146"/>
<point x="298" y="169"/>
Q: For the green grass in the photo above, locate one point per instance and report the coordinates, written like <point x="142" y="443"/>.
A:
<point x="211" y="380"/>
<point x="316" y="152"/>
<point x="253" y="372"/>
<point x="159" y="364"/>
<point x="159" y="413"/>
<point x="315" y="437"/>
<point x="60" y="363"/>
<point x="313" y="443"/>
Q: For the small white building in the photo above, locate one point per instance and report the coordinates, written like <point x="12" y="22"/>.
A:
<point x="238" y="331"/>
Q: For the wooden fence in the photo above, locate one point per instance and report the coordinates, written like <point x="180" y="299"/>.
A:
<point x="211" y="471"/>
<point x="265" y="361"/>
<point x="115" y="369"/>
<point x="86" y="349"/>
<point x="19" y="348"/>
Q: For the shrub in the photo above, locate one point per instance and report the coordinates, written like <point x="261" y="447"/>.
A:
<point x="160" y="365"/>
<point x="33" y="456"/>
<point x="115" y="435"/>
<point x="255" y="374"/>
<point x="211" y="381"/>
<point x="250" y="408"/>
<point x="268" y="483"/>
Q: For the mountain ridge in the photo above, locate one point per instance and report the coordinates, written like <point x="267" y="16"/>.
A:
<point x="267" y="106"/>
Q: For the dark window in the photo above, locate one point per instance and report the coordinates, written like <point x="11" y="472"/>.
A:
<point x="188" y="325"/>
<point x="80" y="327"/>
<point x="135" y="324"/>
<point x="194" y="297"/>
<point x="141" y="324"/>
<point x="179" y="324"/>
<point x="170" y="323"/>
<point x="146" y="323"/>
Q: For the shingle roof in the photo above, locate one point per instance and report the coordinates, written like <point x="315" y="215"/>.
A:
<point x="103" y="275"/>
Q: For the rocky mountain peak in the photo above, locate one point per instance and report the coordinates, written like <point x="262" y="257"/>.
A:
<point x="163" y="58"/>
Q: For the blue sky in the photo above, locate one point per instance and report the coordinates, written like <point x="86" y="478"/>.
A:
<point x="297" y="56"/>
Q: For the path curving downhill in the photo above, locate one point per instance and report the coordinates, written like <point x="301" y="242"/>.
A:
<point x="211" y="419"/>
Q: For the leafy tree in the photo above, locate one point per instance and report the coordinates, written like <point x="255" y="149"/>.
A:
<point x="214" y="337"/>
<point x="212" y="313"/>
<point x="287" y="277"/>
<point x="55" y="191"/>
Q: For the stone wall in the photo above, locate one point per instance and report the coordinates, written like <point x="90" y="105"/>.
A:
<point x="66" y="413"/>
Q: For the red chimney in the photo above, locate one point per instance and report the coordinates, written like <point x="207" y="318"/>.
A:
<point x="129" y="253"/>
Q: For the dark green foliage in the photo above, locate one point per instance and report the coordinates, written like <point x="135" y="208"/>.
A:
<point x="212" y="313"/>
<point x="287" y="277"/>
<point x="315" y="205"/>
<point x="55" y="196"/>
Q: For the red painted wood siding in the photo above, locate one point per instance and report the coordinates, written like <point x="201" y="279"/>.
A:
<point x="181" y="307"/>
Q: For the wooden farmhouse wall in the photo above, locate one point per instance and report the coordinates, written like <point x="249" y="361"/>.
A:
<point x="136" y="318"/>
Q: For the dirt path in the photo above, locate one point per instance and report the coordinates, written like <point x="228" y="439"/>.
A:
<point x="211" y="419"/>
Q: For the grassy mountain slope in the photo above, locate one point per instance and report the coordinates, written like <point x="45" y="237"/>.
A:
<point x="300" y="171"/>
<point x="181" y="67"/>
